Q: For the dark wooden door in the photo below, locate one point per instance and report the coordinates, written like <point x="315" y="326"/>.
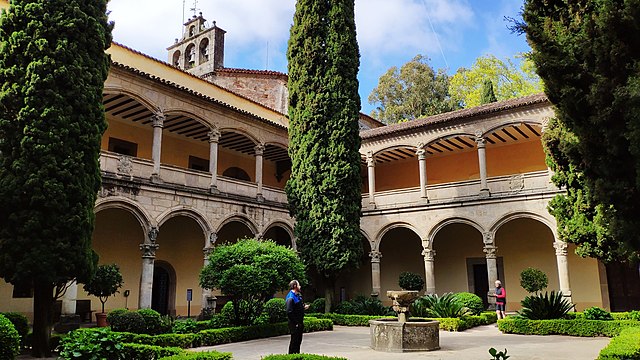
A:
<point x="481" y="282"/>
<point x="624" y="286"/>
<point x="160" y="294"/>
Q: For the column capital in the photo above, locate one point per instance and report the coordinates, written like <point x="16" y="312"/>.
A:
<point x="422" y="154"/>
<point x="490" y="251"/>
<point x="488" y="239"/>
<point x="561" y="248"/>
<point x="259" y="149"/>
<point x="375" y="256"/>
<point x="214" y="135"/>
<point x="158" y="120"/>
<point x="429" y="254"/>
<point x="481" y="142"/>
<point x="371" y="162"/>
<point x="149" y="250"/>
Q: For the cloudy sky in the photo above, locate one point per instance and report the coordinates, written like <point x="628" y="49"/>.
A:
<point x="453" y="33"/>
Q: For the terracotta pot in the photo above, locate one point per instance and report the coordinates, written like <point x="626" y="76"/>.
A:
<point x="101" y="319"/>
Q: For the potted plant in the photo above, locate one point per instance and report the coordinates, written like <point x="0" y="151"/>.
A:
<point x="104" y="283"/>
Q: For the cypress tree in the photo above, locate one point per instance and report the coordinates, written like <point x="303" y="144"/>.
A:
<point x="487" y="96"/>
<point x="52" y="71"/>
<point x="324" y="191"/>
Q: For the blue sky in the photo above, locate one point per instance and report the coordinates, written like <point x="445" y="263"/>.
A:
<point x="390" y="32"/>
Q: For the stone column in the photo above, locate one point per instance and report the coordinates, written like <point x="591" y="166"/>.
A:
<point x="214" y="138"/>
<point x="563" y="267"/>
<point x="422" y="163"/>
<point x="206" y="293"/>
<point x="492" y="268"/>
<point x="69" y="299"/>
<point x="371" y="171"/>
<point x="482" y="159"/>
<point x="259" y="149"/>
<point x="158" y="124"/>
<point x="148" y="258"/>
<point x="375" y="272"/>
<point x="429" y="270"/>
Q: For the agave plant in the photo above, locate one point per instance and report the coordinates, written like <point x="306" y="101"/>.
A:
<point x="445" y="306"/>
<point x="545" y="306"/>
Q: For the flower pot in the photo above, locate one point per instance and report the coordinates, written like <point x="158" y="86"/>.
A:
<point x="101" y="319"/>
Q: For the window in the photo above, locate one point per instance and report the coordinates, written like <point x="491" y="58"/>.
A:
<point x="123" y="147"/>
<point x="199" y="164"/>
<point x="236" y="173"/>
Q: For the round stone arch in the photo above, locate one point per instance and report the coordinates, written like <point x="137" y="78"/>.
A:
<point x="549" y="222"/>
<point x="511" y="123"/>
<point x="395" y="147"/>
<point x="190" y="213"/>
<point x="143" y="100"/>
<point x="285" y="226"/>
<point x="241" y="218"/>
<point x="229" y="129"/>
<point x="425" y="144"/>
<point x="123" y="203"/>
<point x="399" y="224"/>
<point x="181" y="111"/>
<point x="455" y="220"/>
<point x="367" y="237"/>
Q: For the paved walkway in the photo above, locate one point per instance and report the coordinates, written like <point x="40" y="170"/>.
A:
<point x="353" y="343"/>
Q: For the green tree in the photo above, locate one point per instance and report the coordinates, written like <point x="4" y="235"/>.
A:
<point x="251" y="271"/>
<point x="104" y="283"/>
<point x="413" y="91"/>
<point x="508" y="80"/>
<point x="488" y="96"/>
<point x="52" y="71"/>
<point x="588" y="56"/>
<point x="324" y="188"/>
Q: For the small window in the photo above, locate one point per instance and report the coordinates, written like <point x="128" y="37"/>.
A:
<point x="236" y="173"/>
<point x="123" y="147"/>
<point x="199" y="164"/>
<point x="22" y="291"/>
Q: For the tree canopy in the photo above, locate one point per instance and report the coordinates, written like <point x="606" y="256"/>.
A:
<point x="588" y="55"/>
<point x="508" y="80"/>
<point x="324" y="142"/>
<point x="106" y="282"/>
<point x="52" y="71"/>
<point x="415" y="90"/>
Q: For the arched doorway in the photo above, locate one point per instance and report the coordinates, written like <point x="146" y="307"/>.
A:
<point x="401" y="250"/>
<point x="164" y="288"/>
<point x="233" y="230"/>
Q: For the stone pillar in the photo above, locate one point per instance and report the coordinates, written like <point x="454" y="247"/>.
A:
<point x="371" y="171"/>
<point x="429" y="270"/>
<point x="69" y="299"/>
<point x="375" y="272"/>
<point x="422" y="163"/>
<point x="482" y="159"/>
<point x="158" y="124"/>
<point x="492" y="267"/>
<point x="206" y="293"/>
<point x="563" y="267"/>
<point x="214" y="137"/>
<point x="148" y="258"/>
<point x="259" y="149"/>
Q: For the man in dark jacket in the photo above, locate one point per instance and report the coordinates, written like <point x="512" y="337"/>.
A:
<point x="295" y="314"/>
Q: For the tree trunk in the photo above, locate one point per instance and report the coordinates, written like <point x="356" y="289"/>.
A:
<point x="328" y="295"/>
<point x="42" y="306"/>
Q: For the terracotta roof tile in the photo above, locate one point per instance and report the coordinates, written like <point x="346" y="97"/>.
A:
<point x="252" y="72"/>
<point x="454" y="115"/>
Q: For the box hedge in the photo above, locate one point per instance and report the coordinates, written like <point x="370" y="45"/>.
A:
<point x="301" y="357"/>
<point x="577" y="327"/>
<point x="209" y="355"/>
<point x="624" y="346"/>
<point x="147" y="352"/>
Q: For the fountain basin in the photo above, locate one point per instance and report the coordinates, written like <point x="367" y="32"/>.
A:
<point x="391" y="335"/>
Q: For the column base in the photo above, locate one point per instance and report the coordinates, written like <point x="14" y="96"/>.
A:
<point x="214" y="190"/>
<point x="259" y="198"/>
<point x="372" y="205"/>
<point x="484" y="193"/>
<point x="155" y="178"/>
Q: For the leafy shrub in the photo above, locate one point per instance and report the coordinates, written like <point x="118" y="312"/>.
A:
<point x="206" y="314"/>
<point x="216" y="322"/>
<point x="363" y="305"/>
<point x="275" y="310"/>
<point x="624" y="346"/>
<point x="410" y="281"/>
<point x="596" y="313"/>
<point x="147" y="352"/>
<point x="9" y="339"/>
<point x="92" y="344"/>
<point x="445" y="306"/>
<point x="248" y="312"/>
<point x="209" y="355"/>
<point x="578" y="327"/>
<point x="129" y="321"/>
<point x="545" y="306"/>
<point x="185" y="327"/>
<point x="472" y="301"/>
<point x="317" y="306"/>
<point x="634" y="315"/>
<point x="301" y="357"/>
<point x="113" y="317"/>
<point x="152" y="321"/>
<point x="533" y="280"/>
<point x="20" y="322"/>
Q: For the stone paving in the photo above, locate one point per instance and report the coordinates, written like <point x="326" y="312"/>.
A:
<point x="353" y="343"/>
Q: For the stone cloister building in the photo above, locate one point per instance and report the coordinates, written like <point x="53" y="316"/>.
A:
<point x="196" y="158"/>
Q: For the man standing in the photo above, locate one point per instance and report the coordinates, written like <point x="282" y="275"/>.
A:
<point x="295" y="314"/>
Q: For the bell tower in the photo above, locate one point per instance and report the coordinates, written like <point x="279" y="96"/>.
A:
<point x="200" y="51"/>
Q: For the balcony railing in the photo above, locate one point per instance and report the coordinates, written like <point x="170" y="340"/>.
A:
<point x="131" y="167"/>
<point x="500" y="186"/>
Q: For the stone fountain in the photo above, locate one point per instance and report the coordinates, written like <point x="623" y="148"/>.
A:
<point x="402" y="334"/>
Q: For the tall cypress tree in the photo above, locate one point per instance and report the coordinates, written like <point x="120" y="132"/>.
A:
<point x="52" y="71"/>
<point x="324" y="190"/>
<point x="487" y="96"/>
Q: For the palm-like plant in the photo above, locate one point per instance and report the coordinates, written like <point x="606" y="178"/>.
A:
<point x="545" y="306"/>
<point x="445" y="306"/>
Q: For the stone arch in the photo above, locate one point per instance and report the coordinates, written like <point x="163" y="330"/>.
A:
<point x="510" y="123"/>
<point x="176" y="58"/>
<point x="276" y="144"/>
<point x="523" y="215"/>
<point x="143" y="100"/>
<point x="396" y="147"/>
<point x="367" y="237"/>
<point x="447" y="136"/>
<point x="119" y="202"/>
<point x="189" y="114"/>
<point x="241" y="218"/>
<point x="455" y="220"/>
<point x="285" y="226"/>
<point x="188" y="212"/>
<point x="242" y="132"/>
<point x="389" y="227"/>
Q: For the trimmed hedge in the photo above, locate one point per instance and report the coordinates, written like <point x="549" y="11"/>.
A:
<point x="577" y="327"/>
<point x="631" y="315"/>
<point x="301" y="357"/>
<point x="209" y="355"/>
<point x="624" y="346"/>
<point x="147" y="352"/>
